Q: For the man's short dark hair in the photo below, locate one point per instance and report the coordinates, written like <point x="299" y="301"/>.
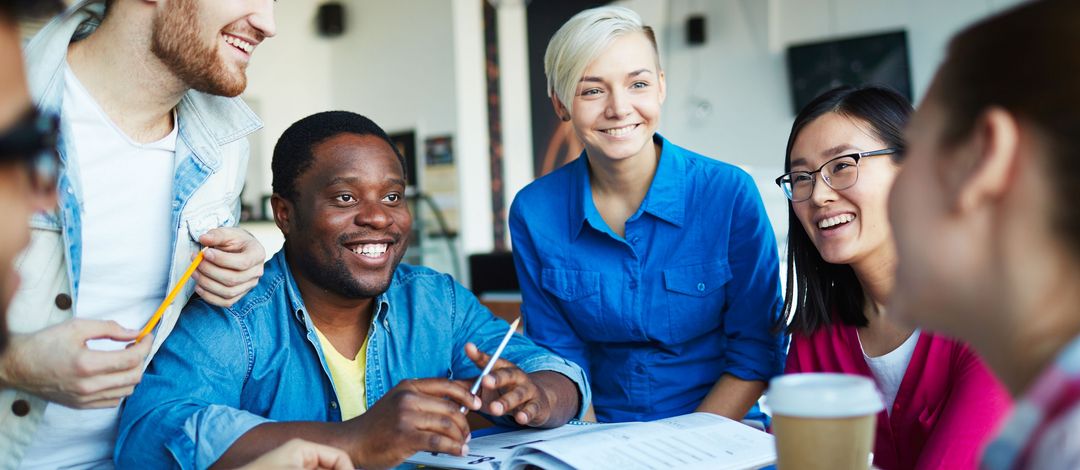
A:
<point x="293" y="152"/>
<point x="11" y="10"/>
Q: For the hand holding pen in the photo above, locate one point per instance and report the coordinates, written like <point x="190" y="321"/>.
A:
<point x="506" y="390"/>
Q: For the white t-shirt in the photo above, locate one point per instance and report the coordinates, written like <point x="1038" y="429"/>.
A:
<point x="127" y="240"/>
<point x="889" y="368"/>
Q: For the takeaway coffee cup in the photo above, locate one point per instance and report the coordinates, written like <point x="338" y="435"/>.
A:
<point x="823" y="421"/>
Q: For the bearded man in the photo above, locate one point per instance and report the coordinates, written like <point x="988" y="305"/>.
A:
<point x="152" y="160"/>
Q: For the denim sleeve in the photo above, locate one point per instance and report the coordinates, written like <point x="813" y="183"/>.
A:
<point x="475" y="323"/>
<point x="544" y="320"/>
<point x="184" y="412"/>
<point x="754" y="352"/>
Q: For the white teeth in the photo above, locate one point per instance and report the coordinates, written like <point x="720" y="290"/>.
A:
<point x="373" y="250"/>
<point x="240" y="43"/>
<point x="620" y="131"/>
<point x="837" y="220"/>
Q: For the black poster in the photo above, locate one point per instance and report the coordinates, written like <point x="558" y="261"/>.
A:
<point x="554" y="142"/>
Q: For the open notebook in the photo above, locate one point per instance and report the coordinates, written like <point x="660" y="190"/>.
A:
<point x="696" y="440"/>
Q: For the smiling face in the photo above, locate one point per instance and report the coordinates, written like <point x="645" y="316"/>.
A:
<point x="850" y="225"/>
<point x="617" y="103"/>
<point x="349" y="226"/>
<point x="208" y="44"/>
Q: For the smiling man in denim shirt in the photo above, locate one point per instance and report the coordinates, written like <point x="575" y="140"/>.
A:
<point x="338" y="343"/>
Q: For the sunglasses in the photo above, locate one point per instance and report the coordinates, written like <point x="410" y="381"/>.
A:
<point x="31" y="141"/>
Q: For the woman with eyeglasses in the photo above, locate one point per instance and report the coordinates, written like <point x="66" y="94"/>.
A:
<point x="843" y="154"/>
<point x="651" y="266"/>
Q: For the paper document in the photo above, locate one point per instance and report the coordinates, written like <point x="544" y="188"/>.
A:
<point x="693" y="441"/>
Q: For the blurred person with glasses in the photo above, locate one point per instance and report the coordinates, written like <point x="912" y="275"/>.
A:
<point x="28" y="161"/>
<point x="942" y="403"/>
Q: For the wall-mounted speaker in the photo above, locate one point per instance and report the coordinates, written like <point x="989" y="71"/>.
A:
<point x="331" y="19"/>
<point x="695" y="30"/>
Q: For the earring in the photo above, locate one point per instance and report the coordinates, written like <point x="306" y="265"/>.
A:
<point x="564" y="117"/>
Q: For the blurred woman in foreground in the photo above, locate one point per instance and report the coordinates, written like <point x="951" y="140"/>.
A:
<point x="987" y="220"/>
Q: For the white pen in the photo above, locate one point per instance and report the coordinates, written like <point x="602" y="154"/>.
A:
<point x="494" y="357"/>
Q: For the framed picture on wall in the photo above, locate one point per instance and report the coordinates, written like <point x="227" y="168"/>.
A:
<point x="880" y="59"/>
<point x="406" y="144"/>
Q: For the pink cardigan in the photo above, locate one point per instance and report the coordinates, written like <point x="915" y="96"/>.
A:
<point x="947" y="408"/>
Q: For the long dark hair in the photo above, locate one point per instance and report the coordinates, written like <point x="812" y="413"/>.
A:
<point x="816" y="290"/>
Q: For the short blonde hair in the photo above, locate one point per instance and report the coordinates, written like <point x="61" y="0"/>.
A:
<point x="581" y="39"/>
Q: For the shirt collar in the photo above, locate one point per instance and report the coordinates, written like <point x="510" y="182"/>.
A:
<point x="296" y="301"/>
<point x="666" y="198"/>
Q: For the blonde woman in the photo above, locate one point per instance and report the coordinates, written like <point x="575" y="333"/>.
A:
<point x="651" y="266"/>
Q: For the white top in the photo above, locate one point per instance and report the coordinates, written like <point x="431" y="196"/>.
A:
<point x="889" y="368"/>
<point x="127" y="237"/>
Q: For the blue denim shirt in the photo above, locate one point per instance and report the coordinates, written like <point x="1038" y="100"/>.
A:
<point x="224" y="371"/>
<point x="656" y="316"/>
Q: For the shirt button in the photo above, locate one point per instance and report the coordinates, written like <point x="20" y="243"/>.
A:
<point x="568" y="291"/>
<point x="633" y="284"/>
<point x="701" y="287"/>
<point x="635" y="240"/>
<point x="63" y="301"/>
<point x="640" y="369"/>
<point x="20" y="408"/>
<point x="333" y="405"/>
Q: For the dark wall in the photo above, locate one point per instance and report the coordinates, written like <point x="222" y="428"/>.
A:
<point x="553" y="142"/>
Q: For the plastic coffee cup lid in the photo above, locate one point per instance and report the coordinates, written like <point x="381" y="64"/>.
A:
<point x="821" y="395"/>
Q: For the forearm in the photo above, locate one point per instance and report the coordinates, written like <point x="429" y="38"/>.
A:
<point x="562" y="397"/>
<point x="268" y="436"/>
<point x="6" y="366"/>
<point x="11" y="363"/>
<point x="732" y="397"/>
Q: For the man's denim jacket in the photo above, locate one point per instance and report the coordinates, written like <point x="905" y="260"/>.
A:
<point x="211" y="162"/>
<point x="226" y="370"/>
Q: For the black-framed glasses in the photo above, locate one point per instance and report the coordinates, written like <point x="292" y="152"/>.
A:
<point x="32" y="141"/>
<point x="839" y="173"/>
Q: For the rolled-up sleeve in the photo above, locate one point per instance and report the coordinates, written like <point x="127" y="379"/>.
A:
<point x="754" y="351"/>
<point x="184" y="413"/>
<point x="475" y="323"/>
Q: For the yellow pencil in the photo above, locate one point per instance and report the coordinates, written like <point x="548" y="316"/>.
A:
<point x="172" y="295"/>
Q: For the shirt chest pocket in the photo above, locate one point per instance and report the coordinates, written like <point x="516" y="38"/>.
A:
<point x="577" y="295"/>
<point x="695" y="299"/>
<point x="198" y="222"/>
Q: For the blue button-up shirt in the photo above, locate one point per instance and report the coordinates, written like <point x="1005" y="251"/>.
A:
<point x="224" y="371"/>
<point x="655" y="317"/>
